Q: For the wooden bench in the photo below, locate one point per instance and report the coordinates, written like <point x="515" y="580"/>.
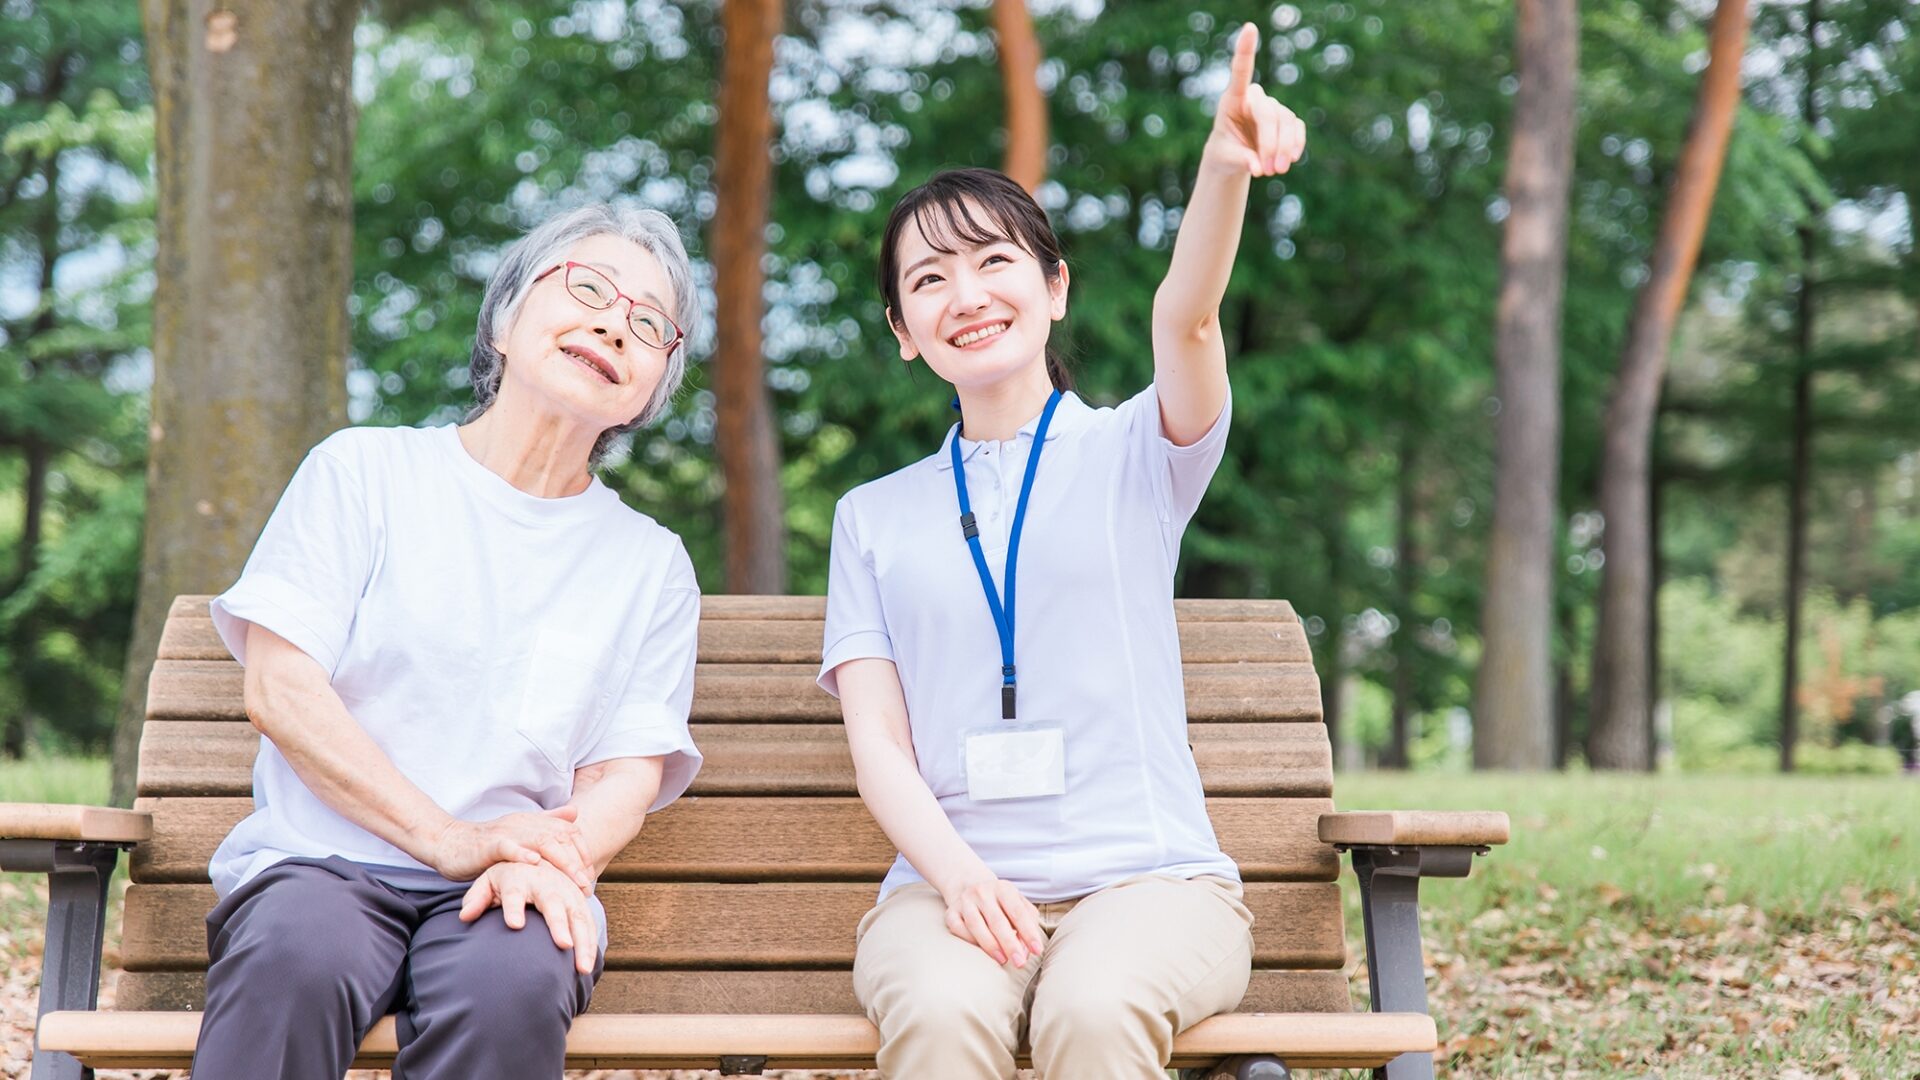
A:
<point x="731" y="919"/>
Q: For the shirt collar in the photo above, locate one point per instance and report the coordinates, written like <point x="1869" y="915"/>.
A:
<point x="1066" y="417"/>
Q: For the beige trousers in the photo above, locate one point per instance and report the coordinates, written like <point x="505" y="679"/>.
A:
<point x="1124" y="970"/>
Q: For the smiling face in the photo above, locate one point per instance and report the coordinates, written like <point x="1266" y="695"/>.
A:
<point x="978" y="308"/>
<point x="575" y="360"/>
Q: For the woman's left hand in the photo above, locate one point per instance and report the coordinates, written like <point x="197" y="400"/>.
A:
<point x="513" y="887"/>
<point x="1251" y="131"/>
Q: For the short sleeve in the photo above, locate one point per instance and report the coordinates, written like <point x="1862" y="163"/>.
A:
<point x="856" y="624"/>
<point x="307" y="572"/>
<point x="1180" y="474"/>
<point x="649" y="719"/>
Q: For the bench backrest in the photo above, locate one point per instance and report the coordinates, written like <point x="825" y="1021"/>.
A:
<point x="743" y="896"/>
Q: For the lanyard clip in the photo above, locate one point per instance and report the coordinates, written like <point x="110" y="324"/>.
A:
<point x="968" y="527"/>
<point x="1006" y="692"/>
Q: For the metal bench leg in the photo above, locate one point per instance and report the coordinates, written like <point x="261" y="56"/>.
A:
<point x="1248" y="1067"/>
<point x="77" y="878"/>
<point x="1396" y="968"/>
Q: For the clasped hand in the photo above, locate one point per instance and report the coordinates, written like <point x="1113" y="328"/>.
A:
<point x="522" y="859"/>
<point x="465" y="849"/>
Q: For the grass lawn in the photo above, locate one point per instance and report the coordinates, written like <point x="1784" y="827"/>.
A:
<point x="1674" y="926"/>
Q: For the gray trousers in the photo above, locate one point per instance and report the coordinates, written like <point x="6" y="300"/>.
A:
<point x="308" y="954"/>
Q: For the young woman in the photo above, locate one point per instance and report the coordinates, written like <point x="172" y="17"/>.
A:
<point x="1000" y="632"/>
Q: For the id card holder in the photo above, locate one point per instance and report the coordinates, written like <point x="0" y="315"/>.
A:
<point x="1014" y="761"/>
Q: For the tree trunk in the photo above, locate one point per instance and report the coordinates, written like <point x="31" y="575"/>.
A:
<point x="748" y="446"/>
<point x="1333" y="666"/>
<point x="1514" y="692"/>
<point x="1020" y="57"/>
<point x="1800" y="476"/>
<point x="1406" y="565"/>
<point x="1798" y="481"/>
<point x="39" y="455"/>
<point x="253" y="118"/>
<point x="1620" y="673"/>
<point x="1656" y="573"/>
<point x="1563" y="697"/>
<point x="1333" y="688"/>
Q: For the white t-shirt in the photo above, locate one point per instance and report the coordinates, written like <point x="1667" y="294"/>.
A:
<point x="1096" y="645"/>
<point x="490" y="641"/>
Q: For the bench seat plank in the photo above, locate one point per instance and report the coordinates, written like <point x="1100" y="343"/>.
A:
<point x="1305" y="1040"/>
<point x="776" y="838"/>
<point x="211" y="690"/>
<point x="767" y="925"/>
<point x="215" y="758"/>
<point x="797" y="641"/>
<point x="723" y="990"/>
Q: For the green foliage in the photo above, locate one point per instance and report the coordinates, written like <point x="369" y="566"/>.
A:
<point x="76" y="250"/>
<point x="1359" y="317"/>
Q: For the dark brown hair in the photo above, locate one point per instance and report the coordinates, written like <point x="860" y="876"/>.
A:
<point x="944" y="209"/>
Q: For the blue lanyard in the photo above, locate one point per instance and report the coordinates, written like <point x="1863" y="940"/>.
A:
<point x="1002" y="615"/>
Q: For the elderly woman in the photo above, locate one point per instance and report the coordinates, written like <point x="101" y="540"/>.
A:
<point x="472" y="665"/>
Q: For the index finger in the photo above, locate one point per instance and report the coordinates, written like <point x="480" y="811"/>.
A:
<point x="1246" y="46"/>
<point x="479" y="898"/>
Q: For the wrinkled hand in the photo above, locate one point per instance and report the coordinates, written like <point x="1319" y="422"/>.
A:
<point x="1251" y="131"/>
<point x="465" y="849"/>
<point x="993" y="915"/>
<point x="513" y="887"/>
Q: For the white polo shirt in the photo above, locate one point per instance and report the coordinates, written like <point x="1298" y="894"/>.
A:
<point x="489" y="641"/>
<point x="1096" y="646"/>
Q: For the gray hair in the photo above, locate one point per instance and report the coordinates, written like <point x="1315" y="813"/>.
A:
<point x="539" y="250"/>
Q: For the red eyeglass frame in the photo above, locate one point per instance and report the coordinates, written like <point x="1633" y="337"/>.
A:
<point x="679" y="335"/>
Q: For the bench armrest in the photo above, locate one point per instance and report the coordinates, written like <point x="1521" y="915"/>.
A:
<point x="57" y="821"/>
<point x="1392" y="851"/>
<point x="77" y="847"/>
<point x="1415" y="828"/>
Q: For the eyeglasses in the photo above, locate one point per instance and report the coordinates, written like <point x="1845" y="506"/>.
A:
<point x="591" y="287"/>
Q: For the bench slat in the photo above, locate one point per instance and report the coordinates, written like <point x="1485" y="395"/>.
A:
<point x="814" y="608"/>
<point x="718" y="838"/>
<point x="808" y="992"/>
<point x="768" y="925"/>
<point x="797" y="641"/>
<point x="1309" y="1040"/>
<point x="211" y="690"/>
<point x="215" y="758"/>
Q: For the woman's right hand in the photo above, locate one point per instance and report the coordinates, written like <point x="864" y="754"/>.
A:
<point x="992" y="914"/>
<point x="464" y="849"/>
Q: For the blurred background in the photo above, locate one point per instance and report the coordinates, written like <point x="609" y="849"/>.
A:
<point x="1780" y="460"/>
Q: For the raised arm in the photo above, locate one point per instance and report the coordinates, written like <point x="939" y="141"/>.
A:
<point x="981" y="908"/>
<point x="290" y="700"/>
<point x="1253" y="135"/>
